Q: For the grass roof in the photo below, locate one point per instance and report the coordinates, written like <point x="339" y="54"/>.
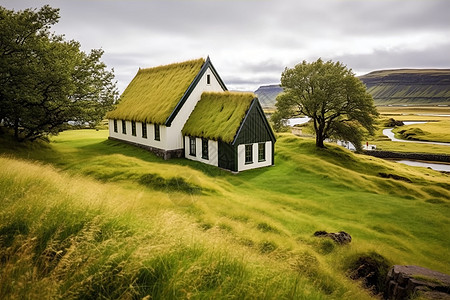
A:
<point x="218" y="115"/>
<point x="153" y="93"/>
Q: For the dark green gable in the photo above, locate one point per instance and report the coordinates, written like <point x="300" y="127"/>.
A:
<point x="254" y="129"/>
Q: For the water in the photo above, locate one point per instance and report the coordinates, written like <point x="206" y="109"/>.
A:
<point x="434" y="166"/>
<point x="388" y="132"/>
<point x="297" y="121"/>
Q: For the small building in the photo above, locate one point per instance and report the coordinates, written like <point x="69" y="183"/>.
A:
<point x="229" y="130"/>
<point x="185" y="110"/>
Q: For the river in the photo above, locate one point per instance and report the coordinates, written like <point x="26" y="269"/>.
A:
<point x="388" y="132"/>
<point x="434" y="166"/>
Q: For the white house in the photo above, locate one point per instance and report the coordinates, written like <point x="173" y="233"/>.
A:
<point x="184" y="110"/>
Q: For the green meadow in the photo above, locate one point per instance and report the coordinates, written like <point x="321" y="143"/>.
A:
<point x="88" y="218"/>
<point x="436" y="129"/>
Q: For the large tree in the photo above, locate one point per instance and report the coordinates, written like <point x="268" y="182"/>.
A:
<point x="47" y="81"/>
<point x="336" y="101"/>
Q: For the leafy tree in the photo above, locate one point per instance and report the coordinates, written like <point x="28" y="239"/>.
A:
<point x="47" y="81"/>
<point x="336" y="101"/>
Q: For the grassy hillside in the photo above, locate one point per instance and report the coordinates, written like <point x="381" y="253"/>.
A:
<point x="85" y="217"/>
<point x="409" y="86"/>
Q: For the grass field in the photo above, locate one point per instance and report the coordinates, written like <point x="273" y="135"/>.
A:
<point x="85" y="217"/>
<point x="436" y="130"/>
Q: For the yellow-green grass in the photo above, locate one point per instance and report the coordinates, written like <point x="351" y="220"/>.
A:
<point x="218" y="115"/>
<point x="415" y="113"/>
<point x="432" y="131"/>
<point x="153" y="93"/>
<point x="248" y="235"/>
<point x="384" y="143"/>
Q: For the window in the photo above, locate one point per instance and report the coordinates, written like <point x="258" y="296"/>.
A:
<point x="249" y="154"/>
<point x="144" y="130"/>
<point x="115" y="125"/>
<point x="157" y="136"/>
<point x="208" y="79"/>
<point x="205" y="149"/>
<point x="133" y="128"/>
<point x="192" y="146"/>
<point x="124" y="127"/>
<point x="261" y="151"/>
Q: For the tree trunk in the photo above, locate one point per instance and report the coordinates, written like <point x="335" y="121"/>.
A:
<point x="16" y="129"/>
<point x="319" y="136"/>
<point x="319" y="140"/>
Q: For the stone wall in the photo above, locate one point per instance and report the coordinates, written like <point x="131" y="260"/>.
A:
<point x="165" y="154"/>
<point x="406" y="282"/>
<point x="413" y="156"/>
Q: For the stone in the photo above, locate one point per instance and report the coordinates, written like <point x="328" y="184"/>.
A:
<point x="404" y="282"/>
<point x="340" y="237"/>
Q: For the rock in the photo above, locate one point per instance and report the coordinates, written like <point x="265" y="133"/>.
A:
<point x="393" y="123"/>
<point x="340" y="237"/>
<point x="403" y="282"/>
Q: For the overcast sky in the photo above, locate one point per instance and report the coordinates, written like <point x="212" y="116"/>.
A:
<point x="250" y="42"/>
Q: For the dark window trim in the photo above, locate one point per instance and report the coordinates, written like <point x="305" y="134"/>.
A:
<point x="144" y="130"/>
<point x="133" y="128"/>
<point x="192" y="146"/>
<point x="205" y="149"/>
<point x="208" y="79"/>
<point x="124" y="127"/>
<point x="157" y="132"/>
<point x="263" y="152"/>
<point x="249" y="159"/>
<point x="115" y="125"/>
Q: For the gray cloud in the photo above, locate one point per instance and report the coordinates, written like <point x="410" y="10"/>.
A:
<point x="250" y="42"/>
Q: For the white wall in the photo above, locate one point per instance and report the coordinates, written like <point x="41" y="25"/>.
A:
<point x="174" y="136"/>
<point x="213" y="152"/>
<point x="149" y="141"/>
<point x="170" y="137"/>
<point x="242" y="166"/>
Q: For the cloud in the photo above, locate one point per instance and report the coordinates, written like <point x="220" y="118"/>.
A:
<point x="251" y="42"/>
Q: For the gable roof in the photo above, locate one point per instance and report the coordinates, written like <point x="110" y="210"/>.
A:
<point x="218" y="115"/>
<point x="155" y="95"/>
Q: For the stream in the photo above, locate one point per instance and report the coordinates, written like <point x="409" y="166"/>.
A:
<point x="388" y="132"/>
<point x="434" y="166"/>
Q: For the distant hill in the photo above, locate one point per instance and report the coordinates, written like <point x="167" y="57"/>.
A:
<point x="409" y="86"/>
<point x="267" y="95"/>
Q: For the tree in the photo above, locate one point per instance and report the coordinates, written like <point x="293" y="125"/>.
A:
<point x="336" y="101"/>
<point x="47" y="81"/>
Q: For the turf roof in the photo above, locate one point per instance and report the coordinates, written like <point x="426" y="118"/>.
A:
<point x="154" y="93"/>
<point x="218" y="115"/>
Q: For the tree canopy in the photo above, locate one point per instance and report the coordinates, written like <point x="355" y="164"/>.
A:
<point x="336" y="101"/>
<point x="47" y="81"/>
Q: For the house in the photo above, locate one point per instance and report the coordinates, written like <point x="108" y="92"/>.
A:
<point x="185" y="110"/>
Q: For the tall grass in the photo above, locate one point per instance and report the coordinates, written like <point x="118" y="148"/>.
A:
<point x="91" y="224"/>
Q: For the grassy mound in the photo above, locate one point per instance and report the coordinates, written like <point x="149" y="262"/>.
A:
<point x="85" y="217"/>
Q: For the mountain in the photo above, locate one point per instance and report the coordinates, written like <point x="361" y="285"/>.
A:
<point x="409" y="86"/>
<point x="390" y="87"/>
<point x="267" y="95"/>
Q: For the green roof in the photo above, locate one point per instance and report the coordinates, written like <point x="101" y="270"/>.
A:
<point x="154" y="93"/>
<point x="218" y="115"/>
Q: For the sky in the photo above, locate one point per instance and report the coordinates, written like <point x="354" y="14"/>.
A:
<point x="251" y="42"/>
